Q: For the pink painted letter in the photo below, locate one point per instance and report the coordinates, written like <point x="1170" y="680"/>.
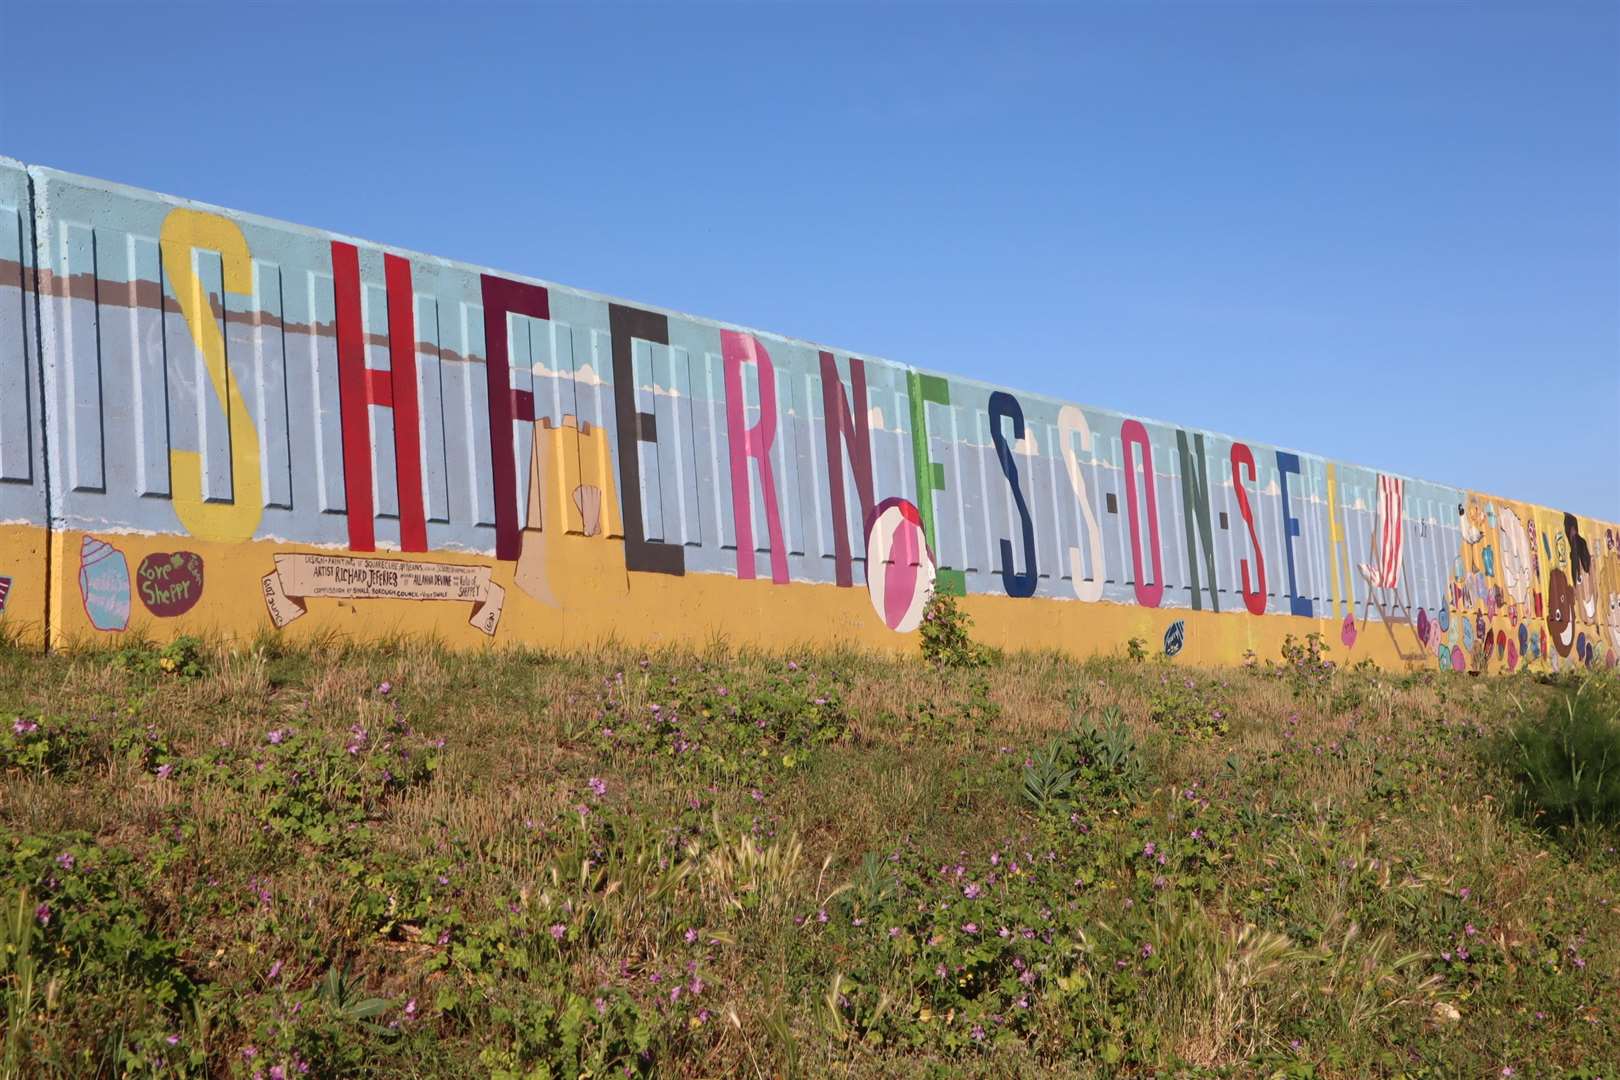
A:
<point x="754" y="442"/>
<point x="1132" y="432"/>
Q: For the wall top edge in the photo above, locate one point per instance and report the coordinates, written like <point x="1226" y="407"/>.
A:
<point x="44" y="176"/>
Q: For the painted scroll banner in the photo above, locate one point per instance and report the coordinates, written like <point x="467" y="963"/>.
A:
<point x="298" y="577"/>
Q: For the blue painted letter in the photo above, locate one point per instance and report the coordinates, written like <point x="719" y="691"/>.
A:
<point x="1005" y="406"/>
<point x="1289" y="463"/>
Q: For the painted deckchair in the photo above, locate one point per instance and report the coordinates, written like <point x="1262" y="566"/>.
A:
<point x="1388" y="588"/>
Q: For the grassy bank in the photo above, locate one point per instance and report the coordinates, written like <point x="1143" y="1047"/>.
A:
<point x="398" y="861"/>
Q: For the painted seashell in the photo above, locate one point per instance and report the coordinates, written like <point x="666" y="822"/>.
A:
<point x="104" y="584"/>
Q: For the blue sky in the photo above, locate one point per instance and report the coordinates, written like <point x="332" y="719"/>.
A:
<point x="1384" y="232"/>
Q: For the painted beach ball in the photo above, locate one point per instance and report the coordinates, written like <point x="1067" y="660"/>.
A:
<point x="1445" y="657"/>
<point x="1501" y="643"/>
<point x="1512" y="656"/>
<point x="1445" y="619"/>
<point x="1423" y="625"/>
<point x="104" y="584"/>
<point x="1468" y="633"/>
<point x="899" y="567"/>
<point x="1459" y="661"/>
<point x="1524" y="637"/>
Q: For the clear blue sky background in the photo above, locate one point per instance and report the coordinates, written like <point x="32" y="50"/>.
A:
<point x="1388" y="233"/>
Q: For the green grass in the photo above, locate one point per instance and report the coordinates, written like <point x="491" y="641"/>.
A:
<point x="401" y="861"/>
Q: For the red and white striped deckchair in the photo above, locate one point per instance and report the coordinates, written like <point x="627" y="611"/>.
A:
<point x="1387" y="587"/>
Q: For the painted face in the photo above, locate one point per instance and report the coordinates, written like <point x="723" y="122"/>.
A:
<point x="1586" y="592"/>
<point x="1580" y="569"/>
<point x="1614" y="620"/>
<point x="1515" y="559"/>
<point x="1560" y="612"/>
<point x="1471" y="521"/>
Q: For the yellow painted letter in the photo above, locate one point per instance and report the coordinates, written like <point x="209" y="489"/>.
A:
<point x="234" y="521"/>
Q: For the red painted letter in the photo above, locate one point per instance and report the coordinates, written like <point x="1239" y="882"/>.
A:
<point x="360" y="387"/>
<point x="856" y="432"/>
<point x="1254" y="600"/>
<point x="506" y="405"/>
<point x="1131" y="432"/>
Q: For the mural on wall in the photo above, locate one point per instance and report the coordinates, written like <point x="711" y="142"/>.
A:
<point x="1517" y="594"/>
<point x="228" y="391"/>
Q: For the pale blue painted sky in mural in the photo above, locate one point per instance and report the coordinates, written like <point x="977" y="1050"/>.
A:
<point x="1386" y="233"/>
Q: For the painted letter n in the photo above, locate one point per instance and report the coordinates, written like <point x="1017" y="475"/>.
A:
<point x="851" y="429"/>
<point x="360" y="387"/>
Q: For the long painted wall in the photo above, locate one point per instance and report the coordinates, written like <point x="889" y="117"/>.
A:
<point x="210" y="421"/>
